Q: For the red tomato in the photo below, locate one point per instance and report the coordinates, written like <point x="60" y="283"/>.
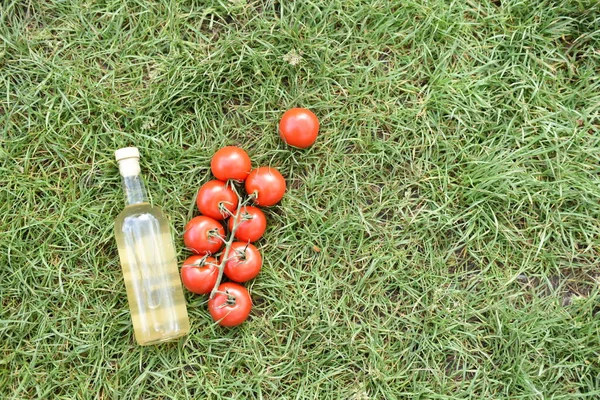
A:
<point x="299" y="127"/>
<point x="199" y="274"/>
<point x="243" y="263"/>
<point x="232" y="306"/>
<point x="251" y="224"/>
<point x="215" y="198"/>
<point x="231" y="162"/>
<point x="267" y="183"/>
<point x="203" y="235"/>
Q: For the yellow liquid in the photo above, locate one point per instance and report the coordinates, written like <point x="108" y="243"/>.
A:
<point x="149" y="263"/>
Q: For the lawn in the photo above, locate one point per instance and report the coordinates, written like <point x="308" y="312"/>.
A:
<point x="440" y="240"/>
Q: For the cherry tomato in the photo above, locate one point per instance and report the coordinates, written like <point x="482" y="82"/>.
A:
<point x="203" y="235"/>
<point x="251" y="224"/>
<point x="299" y="127"/>
<point x="231" y="162"/>
<point x="267" y="183"/>
<point x="199" y="274"/>
<point x="243" y="263"/>
<point x="214" y="198"/>
<point x="232" y="306"/>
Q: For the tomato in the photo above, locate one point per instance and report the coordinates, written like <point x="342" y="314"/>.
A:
<point x="243" y="262"/>
<point x="232" y="306"/>
<point x="199" y="274"/>
<point x="299" y="127"/>
<point x="231" y="162"/>
<point x="267" y="183"/>
<point x="204" y="235"/>
<point x="251" y="226"/>
<point x="215" y="198"/>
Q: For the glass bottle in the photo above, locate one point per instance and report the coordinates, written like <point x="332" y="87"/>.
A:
<point x="148" y="260"/>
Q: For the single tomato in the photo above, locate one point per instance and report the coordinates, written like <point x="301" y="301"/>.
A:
<point x="251" y="224"/>
<point x="216" y="200"/>
<point x="204" y="235"/>
<point x="231" y="306"/>
<point x="231" y="162"/>
<point x="268" y="185"/>
<point x="243" y="262"/>
<point x="299" y="127"/>
<point x="199" y="274"/>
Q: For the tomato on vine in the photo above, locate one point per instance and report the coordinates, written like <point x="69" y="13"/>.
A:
<point x="204" y="235"/>
<point x="231" y="305"/>
<point x="231" y="162"/>
<point x="199" y="274"/>
<point x="251" y="224"/>
<point x="243" y="262"/>
<point x="267" y="184"/>
<point x="216" y="200"/>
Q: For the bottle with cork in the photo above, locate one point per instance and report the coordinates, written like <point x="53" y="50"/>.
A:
<point x="148" y="260"/>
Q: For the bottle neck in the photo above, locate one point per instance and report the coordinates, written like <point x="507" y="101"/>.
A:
<point x="134" y="189"/>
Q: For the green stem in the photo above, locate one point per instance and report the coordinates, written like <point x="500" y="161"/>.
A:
<point x="229" y="241"/>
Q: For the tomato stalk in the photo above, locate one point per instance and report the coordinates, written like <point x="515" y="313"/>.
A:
<point x="214" y="233"/>
<point x="224" y="210"/>
<point x="230" y="239"/>
<point x="230" y="299"/>
<point x="246" y="216"/>
<point x="198" y="263"/>
<point x="241" y="254"/>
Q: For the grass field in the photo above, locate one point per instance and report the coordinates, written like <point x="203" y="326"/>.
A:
<point x="441" y="239"/>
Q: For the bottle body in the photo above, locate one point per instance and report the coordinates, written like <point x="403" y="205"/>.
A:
<point x="149" y="263"/>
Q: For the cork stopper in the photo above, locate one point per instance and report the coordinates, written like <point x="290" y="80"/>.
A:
<point x="129" y="161"/>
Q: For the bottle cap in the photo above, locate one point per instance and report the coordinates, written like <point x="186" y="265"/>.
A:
<point x="129" y="161"/>
<point x="127" y="152"/>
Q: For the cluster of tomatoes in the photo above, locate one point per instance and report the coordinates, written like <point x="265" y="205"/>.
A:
<point x="223" y="209"/>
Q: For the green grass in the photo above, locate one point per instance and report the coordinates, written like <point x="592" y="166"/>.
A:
<point x="441" y="239"/>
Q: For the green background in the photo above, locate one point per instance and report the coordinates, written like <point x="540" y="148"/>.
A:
<point x="440" y="240"/>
